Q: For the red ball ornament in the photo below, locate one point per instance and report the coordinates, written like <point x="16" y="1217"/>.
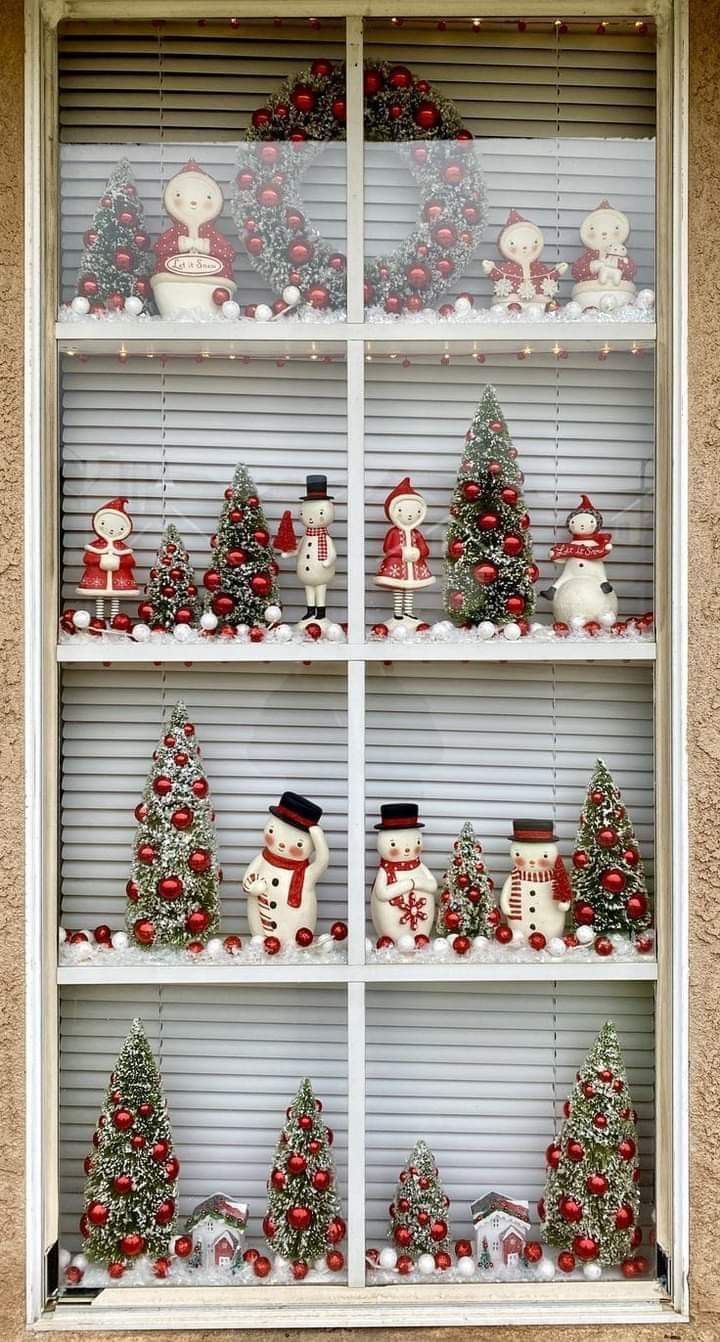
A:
<point x="603" y="946"/>
<point x="584" y="914"/>
<point x="597" y="797"/>
<point x="570" y="1209"/>
<point x="403" y="1236"/>
<point x="636" y="906"/>
<point x="254" y="245"/>
<point x="256" y="634"/>
<point x="485" y="573"/>
<point x="443" y="1261"/>
<point x="169" y="887"/>
<point x="146" y="854"/>
<point x="566" y="1261"/>
<point x="165" y="1212"/>
<point x="303" y="98"/>
<point x="97" y="1213"/>
<point x="144" y="931"/>
<point x="452" y="920"/>
<point x="580" y="860"/>
<point x="262" y="1266"/>
<point x="313" y="630"/>
<point x="626" y="1148"/>
<point x="223" y="605"/>
<point x="600" y="1122"/>
<point x="299" y="1218"/>
<point x="321" y="1180"/>
<point x="463" y="1248"/>
<point x="537" y="941"/>
<point x="515" y="604"/>
<point x="278" y="1180"/>
<point x="199" y="860"/>
<point x="304" y="937"/>
<point x="461" y="945"/>
<point x="427" y="115"/>
<point x="103" y="935"/>
<point x="318" y="296"/>
<point x="271" y="945"/>
<point x="503" y="934"/>
<point x="338" y="931"/>
<point x="597" y="1185"/>
<point x="533" y="1251"/>
<point x="418" y="276"/>
<point x="624" y="1217"/>
<point x="197" y="922"/>
<point x="585" y="1248"/>
<point x="299" y="252"/>
<point x="613" y="880"/>
<point x="630" y="856"/>
<point x="200" y="787"/>
<point x="126" y="217"/>
<point x="132" y="1245"/>
<point x="471" y="491"/>
<point x="488" y="521"/>
<point x="512" y="545"/>
<point x="552" y="1156"/>
<point x="162" y="785"/>
<point x="509" y="495"/>
<point x="299" y="1271"/>
<point x="454" y="173"/>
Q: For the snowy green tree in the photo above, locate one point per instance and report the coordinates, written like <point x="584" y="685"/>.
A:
<point x="117" y="257"/>
<point x="608" y="881"/>
<point x="418" y="1213"/>
<point x="242" y="581"/>
<point x="465" y="898"/>
<point x="303" y="1222"/>
<point x="171" y="594"/>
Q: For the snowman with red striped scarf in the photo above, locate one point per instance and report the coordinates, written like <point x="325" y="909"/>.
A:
<point x="537" y="893"/>
<point x="280" y="882"/>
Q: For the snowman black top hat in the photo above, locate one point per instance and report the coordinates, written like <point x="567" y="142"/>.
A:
<point x="315" y="488"/>
<point x="297" y="811"/>
<point x="399" y="815"/>
<point x="533" y="831"/>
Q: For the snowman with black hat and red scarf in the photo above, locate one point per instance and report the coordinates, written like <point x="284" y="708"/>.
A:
<point x="403" y="893"/>
<point x="280" y="882"/>
<point x="316" y="554"/>
<point x="537" y="893"/>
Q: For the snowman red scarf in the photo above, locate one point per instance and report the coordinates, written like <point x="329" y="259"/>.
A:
<point x="297" y="880"/>
<point x="593" y="547"/>
<point x="562" y="891"/>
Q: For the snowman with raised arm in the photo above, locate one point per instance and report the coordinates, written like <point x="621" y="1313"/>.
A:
<point x="193" y="259"/>
<point x="582" y="591"/>
<point x="280" y="882"/>
<point x="403" y="893"/>
<point x="537" y="893"/>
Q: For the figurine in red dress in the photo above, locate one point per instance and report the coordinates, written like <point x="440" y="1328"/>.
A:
<point x="403" y="567"/>
<point x="108" y="562"/>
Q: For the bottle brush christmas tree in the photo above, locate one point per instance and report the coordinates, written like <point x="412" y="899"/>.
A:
<point x="132" y="1173"/>
<point x="117" y="260"/>
<point x="466" y="898"/>
<point x="608" y="881"/>
<point x="171" y="595"/>
<point x="174" y="888"/>
<point x="489" y="570"/>
<point x="591" y="1193"/>
<point x="303" y="1222"/>
<point x="242" y="580"/>
<point x="418" y="1213"/>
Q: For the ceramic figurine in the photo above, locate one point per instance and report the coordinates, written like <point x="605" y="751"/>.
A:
<point x="404" y="566"/>
<point x="108" y="562"/>
<point x="521" y="278"/>
<point x="604" y="273"/>
<point x="403" y="893"/>
<point x="193" y="261"/>
<point x="536" y="895"/>
<point x="582" y="591"/>
<point x="280" y="882"/>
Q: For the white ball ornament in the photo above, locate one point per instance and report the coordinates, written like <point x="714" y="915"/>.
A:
<point x="481" y="944"/>
<point x="486" y="630"/>
<point x="441" y="946"/>
<point x="442" y="630"/>
<point x="406" y="943"/>
<point x="592" y="1271"/>
<point x="572" y="310"/>
<point x="263" y="313"/>
<point x="209" y="620"/>
<point x="333" y="633"/>
<point x="607" y="619"/>
<point x="512" y="632"/>
<point x="518" y="938"/>
<point x="62" y="936"/>
<point x="498" y="309"/>
<point x="399" y="633"/>
<point x="577" y="622"/>
<point x="585" y="935"/>
<point x="63" y="1259"/>
<point x="83" y="950"/>
<point x="465" y="1267"/>
<point x="426" y="1264"/>
<point x="214" y="947"/>
<point x="646" y="298"/>
<point x="79" y="1260"/>
<point x="534" y="311"/>
<point x="242" y="630"/>
<point x="81" y="619"/>
<point x="291" y="295"/>
<point x="230" y="309"/>
<point x="119" y="941"/>
<point x="133" y="305"/>
<point x="272" y="614"/>
<point x="80" y="305"/>
<point x="388" y="1258"/>
<point x="283" y="633"/>
<point x="369" y="946"/>
<point x="462" y="306"/>
<point x="141" y="633"/>
<point x="182" y="633"/>
<point x="256" y="941"/>
<point x="607" y="303"/>
<point x="557" y="947"/>
<point x="545" y="1269"/>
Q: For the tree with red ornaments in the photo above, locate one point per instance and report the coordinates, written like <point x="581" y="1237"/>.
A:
<point x="242" y="581"/>
<point x="302" y="1223"/>
<point x="174" y="888"/>
<point x="419" y="1210"/>
<point x="131" y="1189"/>
<point x="171" y="594"/>
<point x="592" y="1195"/>
<point x="489" y="568"/>
<point x="465" y="901"/>
<point x="116" y="260"/>
<point x="608" y="882"/>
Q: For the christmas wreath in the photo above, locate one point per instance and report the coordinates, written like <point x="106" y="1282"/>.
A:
<point x="437" y="149"/>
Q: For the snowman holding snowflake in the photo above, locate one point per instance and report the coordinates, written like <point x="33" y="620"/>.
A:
<point x="582" y="592"/>
<point x="403" y="893"/>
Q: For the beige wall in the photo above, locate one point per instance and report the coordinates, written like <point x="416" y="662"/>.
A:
<point x="704" y="731"/>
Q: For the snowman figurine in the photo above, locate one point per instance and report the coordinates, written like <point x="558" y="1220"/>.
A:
<point x="582" y="592"/>
<point x="403" y="567"/>
<point x="316" y="554"/>
<point x="108" y="562"/>
<point x="403" y="893"/>
<point x="604" y="273"/>
<point x="193" y="261"/>
<point x="280" y="882"/>
<point x="521" y="278"/>
<point x="537" y="893"/>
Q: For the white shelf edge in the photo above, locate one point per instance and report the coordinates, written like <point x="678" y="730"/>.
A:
<point x="200" y="975"/>
<point x="496" y="651"/>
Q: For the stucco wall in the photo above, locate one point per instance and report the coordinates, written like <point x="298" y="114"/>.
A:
<point x="704" y="732"/>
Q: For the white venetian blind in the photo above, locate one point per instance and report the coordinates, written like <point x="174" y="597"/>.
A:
<point x="231" y="1060"/>
<point x="262" y="730"/>
<point x="481" y="1072"/>
<point x="169" y="438"/>
<point x="486" y="744"/>
<point x="580" y="425"/>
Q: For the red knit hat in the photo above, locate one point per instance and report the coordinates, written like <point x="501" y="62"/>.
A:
<point x="402" y="490"/>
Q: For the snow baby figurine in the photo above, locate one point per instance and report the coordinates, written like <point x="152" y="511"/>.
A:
<point x="537" y="893"/>
<point x="280" y="882"/>
<point x="403" y="567"/>
<point x="403" y="893"/>
<point x="193" y="261"/>
<point x="316" y="554"/>
<point x="521" y="278"/>
<point x="108" y="562"/>
<point x="604" y="273"/>
<point x="582" y="592"/>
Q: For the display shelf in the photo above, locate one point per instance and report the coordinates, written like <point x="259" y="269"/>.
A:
<point x="587" y="969"/>
<point x="580" y="651"/>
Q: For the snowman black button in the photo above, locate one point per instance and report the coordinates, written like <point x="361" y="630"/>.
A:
<point x="532" y="927"/>
<point x="275" y="881"/>
<point x="273" y="905"/>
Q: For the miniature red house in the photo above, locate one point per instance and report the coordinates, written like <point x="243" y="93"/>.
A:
<point x="504" y="1224"/>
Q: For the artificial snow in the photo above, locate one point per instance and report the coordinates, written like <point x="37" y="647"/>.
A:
<point x="323" y="951"/>
<point x="492" y="952"/>
<point x="376" y="315"/>
<point x="182" y="1274"/>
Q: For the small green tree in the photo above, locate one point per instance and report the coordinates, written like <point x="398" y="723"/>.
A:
<point x="608" y="881"/>
<point x="418" y="1213"/>
<point x="131" y="1171"/>
<point x="592" y="1194"/>
<point x="489" y="569"/>
<point x="174" y="888"/>
<point x="242" y="581"/>
<point x="466" y="892"/>
<point x="117" y="258"/>
<point x="484" y="1261"/>
<point x="171" y="594"/>
<point x="303" y="1220"/>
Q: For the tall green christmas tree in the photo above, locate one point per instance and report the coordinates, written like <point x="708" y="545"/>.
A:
<point x="131" y="1171"/>
<point x="418" y="1213"/>
<point x="171" y="594"/>
<point x="608" y="881"/>
<point x="242" y="581"/>
<point x="489" y="569"/>
<point x="303" y="1222"/>
<point x="117" y="258"/>
<point x="592" y="1194"/>
<point x="174" y="888"/>
<point x="466" y="892"/>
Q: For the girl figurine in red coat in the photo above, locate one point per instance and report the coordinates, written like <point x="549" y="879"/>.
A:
<point x="108" y="562"/>
<point x="403" y="567"/>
